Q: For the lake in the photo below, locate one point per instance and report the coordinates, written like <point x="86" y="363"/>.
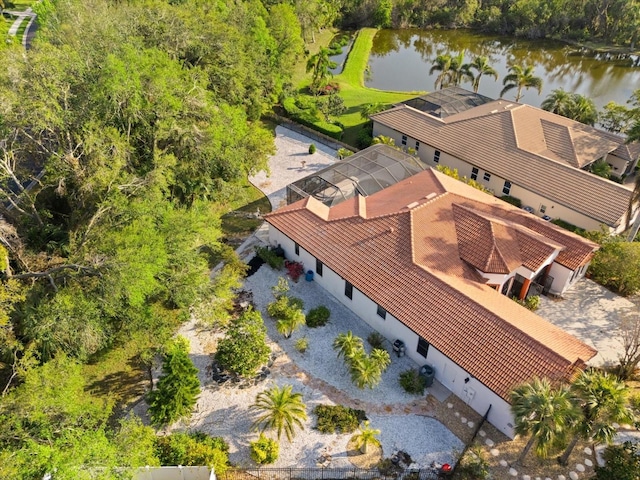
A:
<point x="400" y="60"/>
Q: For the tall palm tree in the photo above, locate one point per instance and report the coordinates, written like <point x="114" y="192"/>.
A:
<point x="602" y="399"/>
<point x="521" y="77"/>
<point x="347" y="345"/>
<point x="442" y="64"/>
<point x="481" y="65"/>
<point x="319" y="65"/>
<point x="459" y="70"/>
<point x="280" y="410"/>
<point x="543" y="412"/>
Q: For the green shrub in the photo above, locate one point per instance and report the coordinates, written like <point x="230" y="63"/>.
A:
<point x="473" y="466"/>
<point x="244" y="347"/>
<point x="312" y="149"/>
<point x="532" y="302"/>
<point x="178" y="387"/>
<point x="622" y="462"/>
<point x="284" y="307"/>
<point x="318" y="317"/>
<point x="634" y="402"/>
<point x="309" y="118"/>
<point x="568" y="226"/>
<point x="412" y="382"/>
<point x="272" y="259"/>
<point x="376" y="340"/>
<point x="338" y="418"/>
<point x="193" y="449"/>
<point x="264" y="450"/>
<point x="302" y="344"/>
<point x="516" y="202"/>
<point x="287" y="311"/>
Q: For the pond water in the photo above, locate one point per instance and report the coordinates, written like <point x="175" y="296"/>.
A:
<point x="340" y="58"/>
<point x="400" y="60"/>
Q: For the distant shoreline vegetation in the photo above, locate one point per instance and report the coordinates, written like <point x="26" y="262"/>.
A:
<point x="580" y="22"/>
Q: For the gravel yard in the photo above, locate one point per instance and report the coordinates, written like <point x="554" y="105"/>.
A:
<point x="322" y="378"/>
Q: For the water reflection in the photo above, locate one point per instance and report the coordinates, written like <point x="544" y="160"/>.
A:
<point x="401" y="59"/>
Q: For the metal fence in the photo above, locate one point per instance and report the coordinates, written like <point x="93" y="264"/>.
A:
<point x="327" y="474"/>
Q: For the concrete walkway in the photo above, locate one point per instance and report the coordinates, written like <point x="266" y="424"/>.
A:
<point x="21" y="17"/>
<point x="291" y="162"/>
<point x="592" y="313"/>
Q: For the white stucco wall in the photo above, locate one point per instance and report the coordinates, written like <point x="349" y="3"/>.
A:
<point x="446" y="371"/>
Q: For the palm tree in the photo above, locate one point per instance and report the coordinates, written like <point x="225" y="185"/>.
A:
<point x="481" y="65"/>
<point x="384" y="140"/>
<point x="459" y="70"/>
<point x="582" y="109"/>
<point x="366" y="370"/>
<point x="558" y="101"/>
<point x="521" y="77"/>
<point x="320" y="65"/>
<point x="347" y="345"/>
<point x="280" y="410"/>
<point x="544" y="413"/>
<point x="369" y="109"/>
<point x="602" y="399"/>
<point x="442" y="64"/>
<point x="366" y="437"/>
<point x="293" y="320"/>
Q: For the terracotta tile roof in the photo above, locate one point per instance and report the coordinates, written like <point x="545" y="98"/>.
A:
<point x="518" y="143"/>
<point x="407" y="261"/>
<point x="493" y="245"/>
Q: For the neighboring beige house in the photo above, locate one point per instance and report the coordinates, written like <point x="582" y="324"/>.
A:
<point x="432" y="262"/>
<point x="518" y="150"/>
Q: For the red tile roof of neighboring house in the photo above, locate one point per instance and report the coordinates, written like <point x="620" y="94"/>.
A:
<point x="537" y="150"/>
<point x="403" y="253"/>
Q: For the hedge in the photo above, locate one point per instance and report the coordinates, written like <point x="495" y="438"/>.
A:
<point x="302" y="117"/>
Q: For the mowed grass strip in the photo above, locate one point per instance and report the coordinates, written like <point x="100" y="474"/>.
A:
<point x="353" y="91"/>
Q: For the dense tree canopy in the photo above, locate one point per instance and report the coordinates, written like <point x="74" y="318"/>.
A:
<point x="126" y="131"/>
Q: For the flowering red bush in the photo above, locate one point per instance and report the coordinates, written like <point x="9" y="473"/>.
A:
<point x="294" y="269"/>
<point x="329" y="88"/>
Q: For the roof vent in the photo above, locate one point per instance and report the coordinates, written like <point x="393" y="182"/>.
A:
<point x="413" y="205"/>
<point x="508" y="106"/>
<point x="494" y="111"/>
<point x="431" y="195"/>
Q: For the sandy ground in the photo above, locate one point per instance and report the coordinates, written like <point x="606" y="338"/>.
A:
<point x="592" y="313"/>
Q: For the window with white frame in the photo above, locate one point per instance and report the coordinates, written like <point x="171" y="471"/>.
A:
<point x="486" y="177"/>
<point x="506" y="189"/>
<point x="474" y="173"/>
<point x="436" y="156"/>
<point x="404" y="140"/>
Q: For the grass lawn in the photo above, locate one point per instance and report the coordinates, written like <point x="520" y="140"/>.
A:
<point x="352" y="89"/>
<point x="18" y="6"/>
<point x="22" y="28"/>
<point x="323" y="38"/>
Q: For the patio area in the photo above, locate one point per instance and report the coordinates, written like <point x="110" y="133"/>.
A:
<point x="592" y="313"/>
